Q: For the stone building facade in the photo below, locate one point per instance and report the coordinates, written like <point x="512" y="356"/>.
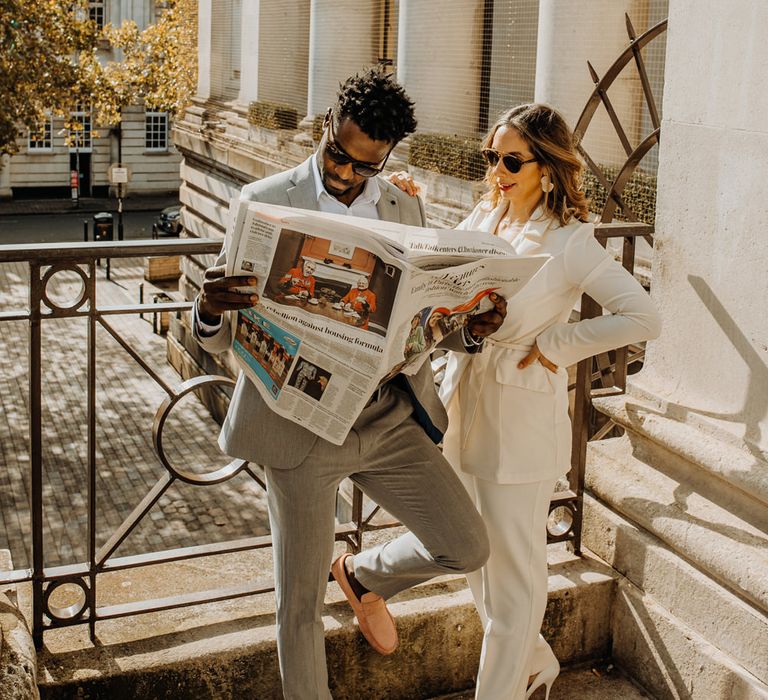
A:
<point x="462" y="62"/>
<point x="678" y="506"/>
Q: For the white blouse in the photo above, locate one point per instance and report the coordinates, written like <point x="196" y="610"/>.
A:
<point x="509" y="425"/>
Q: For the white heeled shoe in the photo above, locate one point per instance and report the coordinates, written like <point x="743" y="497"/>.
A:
<point x="545" y="677"/>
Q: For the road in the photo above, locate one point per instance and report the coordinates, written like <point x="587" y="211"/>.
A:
<point x="62" y="228"/>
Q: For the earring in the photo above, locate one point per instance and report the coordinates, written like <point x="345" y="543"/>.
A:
<point x="546" y="185"/>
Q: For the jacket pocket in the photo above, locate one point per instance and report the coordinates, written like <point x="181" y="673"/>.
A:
<point x="533" y="378"/>
<point x="534" y="435"/>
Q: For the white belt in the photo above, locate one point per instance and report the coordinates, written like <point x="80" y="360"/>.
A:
<point x="508" y="346"/>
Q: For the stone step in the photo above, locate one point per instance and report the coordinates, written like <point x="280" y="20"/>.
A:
<point x="691" y="513"/>
<point x="666" y="427"/>
<point x="602" y="682"/>
<point x="670" y="659"/>
<point x="227" y="649"/>
<point x="710" y="610"/>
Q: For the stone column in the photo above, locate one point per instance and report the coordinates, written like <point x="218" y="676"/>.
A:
<point x="571" y="33"/>
<point x="249" y="50"/>
<point x="341" y="43"/>
<point x="711" y="270"/>
<point x="439" y="63"/>
<point x="680" y="504"/>
<point x="204" y="33"/>
<point x="283" y="39"/>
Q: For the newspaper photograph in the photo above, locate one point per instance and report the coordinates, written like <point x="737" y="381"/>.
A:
<point x="346" y="303"/>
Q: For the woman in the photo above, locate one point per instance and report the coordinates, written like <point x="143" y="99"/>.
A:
<point x="509" y="433"/>
<point x="416" y="342"/>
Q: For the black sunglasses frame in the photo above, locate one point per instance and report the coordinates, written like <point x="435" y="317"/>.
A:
<point x="511" y="162"/>
<point x="338" y="156"/>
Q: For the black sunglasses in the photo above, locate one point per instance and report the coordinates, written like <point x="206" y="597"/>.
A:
<point x="511" y="162"/>
<point x="338" y="156"/>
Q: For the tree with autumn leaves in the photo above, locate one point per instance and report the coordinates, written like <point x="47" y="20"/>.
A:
<point x="52" y="61"/>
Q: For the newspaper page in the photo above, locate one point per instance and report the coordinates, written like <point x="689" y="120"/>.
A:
<point x="346" y="303"/>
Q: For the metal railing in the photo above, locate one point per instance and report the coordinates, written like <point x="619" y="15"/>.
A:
<point x="598" y="375"/>
<point x="44" y="263"/>
<point x="80" y="259"/>
<point x="606" y="374"/>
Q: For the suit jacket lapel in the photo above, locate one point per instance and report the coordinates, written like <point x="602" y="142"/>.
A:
<point x="302" y="194"/>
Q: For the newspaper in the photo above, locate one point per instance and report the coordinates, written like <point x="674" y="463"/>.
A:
<point x="346" y="303"/>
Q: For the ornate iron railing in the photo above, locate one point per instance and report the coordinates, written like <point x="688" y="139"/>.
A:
<point x="605" y="373"/>
<point x="80" y="259"/>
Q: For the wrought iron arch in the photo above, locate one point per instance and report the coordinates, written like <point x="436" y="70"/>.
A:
<point x="606" y="373"/>
<point x="600" y="97"/>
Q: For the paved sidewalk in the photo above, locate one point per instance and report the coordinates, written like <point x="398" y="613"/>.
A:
<point x="128" y="467"/>
<point x="20" y="207"/>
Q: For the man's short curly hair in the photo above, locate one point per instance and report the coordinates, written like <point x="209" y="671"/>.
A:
<point x="377" y="104"/>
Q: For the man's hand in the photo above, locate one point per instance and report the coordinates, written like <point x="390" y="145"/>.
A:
<point x="482" y="325"/>
<point x="532" y="356"/>
<point x="219" y="294"/>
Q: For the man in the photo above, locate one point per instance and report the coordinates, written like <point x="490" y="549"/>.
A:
<point x="299" y="280"/>
<point x="304" y="374"/>
<point x="390" y="452"/>
<point x="316" y="387"/>
<point x="360" y="300"/>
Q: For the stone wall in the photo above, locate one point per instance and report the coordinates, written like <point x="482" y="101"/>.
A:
<point x="679" y="505"/>
<point x="18" y="660"/>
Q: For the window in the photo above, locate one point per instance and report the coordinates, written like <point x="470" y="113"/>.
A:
<point x="80" y="130"/>
<point x="156" y="131"/>
<point x="41" y="139"/>
<point x="96" y="12"/>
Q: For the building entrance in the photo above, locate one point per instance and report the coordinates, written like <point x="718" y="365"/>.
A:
<point x="81" y="162"/>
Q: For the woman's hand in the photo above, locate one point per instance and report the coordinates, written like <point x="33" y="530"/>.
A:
<point x="405" y="182"/>
<point x="532" y="356"/>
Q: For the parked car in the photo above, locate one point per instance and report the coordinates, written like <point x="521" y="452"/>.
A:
<point x="167" y="222"/>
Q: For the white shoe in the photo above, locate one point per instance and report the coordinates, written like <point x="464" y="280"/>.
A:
<point x="545" y="677"/>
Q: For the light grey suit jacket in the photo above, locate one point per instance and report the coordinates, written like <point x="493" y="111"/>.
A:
<point x="251" y="430"/>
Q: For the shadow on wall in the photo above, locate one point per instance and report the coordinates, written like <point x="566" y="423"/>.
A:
<point x="756" y="401"/>
<point x="675" y="467"/>
<point x="680" y="519"/>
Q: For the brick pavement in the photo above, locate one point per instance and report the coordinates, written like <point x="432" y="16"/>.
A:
<point x="128" y="467"/>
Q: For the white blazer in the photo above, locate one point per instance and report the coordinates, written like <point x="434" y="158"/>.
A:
<point x="509" y="425"/>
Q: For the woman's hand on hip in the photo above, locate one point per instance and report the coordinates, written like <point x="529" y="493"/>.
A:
<point x="532" y="356"/>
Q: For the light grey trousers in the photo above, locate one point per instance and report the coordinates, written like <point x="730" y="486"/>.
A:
<point x="393" y="461"/>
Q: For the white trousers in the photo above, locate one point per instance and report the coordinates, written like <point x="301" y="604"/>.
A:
<point x="510" y="591"/>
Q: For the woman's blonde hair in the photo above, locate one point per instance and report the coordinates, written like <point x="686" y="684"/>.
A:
<point x="553" y="145"/>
